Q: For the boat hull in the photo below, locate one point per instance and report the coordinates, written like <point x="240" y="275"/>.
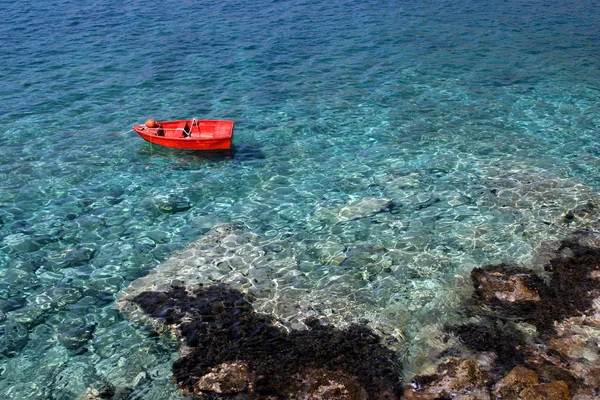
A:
<point x="189" y="134"/>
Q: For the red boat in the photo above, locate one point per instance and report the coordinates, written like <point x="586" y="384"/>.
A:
<point x="188" y="134"/>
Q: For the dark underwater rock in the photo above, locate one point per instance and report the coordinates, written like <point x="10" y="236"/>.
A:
<point x="455" y="377"/>
<point x="234" y="350"/>
<point x="521" y="294"/>
<point x="503" y="283"/>
<point x="506" y="343"/>
<point x="364" y="255"/>
<point x="226" y="378"/>
<point x="248" y="152"/>
<point x="557" y="390"/>
<point x="75" y="337"/>
<point x="13" y="338"/>
<point x="431" y="201"/>
<point x="166" y="203"/>
<point x="40" y="306"/>
<point x="30" y="262"/>
<point x="518" y="379"/>
<point x="14" y="303"/>
<point x="77" y="256"/>
<point x="356" y="210"/>
<point x="323" y="384"/>
<point x="19" y="243"/>
<point x="582" y="211"/>
<point x="107" y="391"/>
<point x="175" y="205"/>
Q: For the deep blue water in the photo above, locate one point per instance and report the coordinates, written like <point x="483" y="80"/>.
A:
<point x="477" y="119"/>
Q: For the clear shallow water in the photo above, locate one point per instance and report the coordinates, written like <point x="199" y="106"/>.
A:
<point x="478" y="120"/>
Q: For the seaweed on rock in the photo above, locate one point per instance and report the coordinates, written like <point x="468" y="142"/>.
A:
<point x="529" y="326"/>
<point x="573" y="280"/>
<point x="517" y="293"/>
<point x="234" y="350"/>
<point x="492" y="336"/>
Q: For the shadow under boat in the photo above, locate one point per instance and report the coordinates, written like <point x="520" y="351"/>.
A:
<point x="240" y="152"/>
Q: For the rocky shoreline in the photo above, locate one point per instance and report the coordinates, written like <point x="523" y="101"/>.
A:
<point x="532" y="335"/>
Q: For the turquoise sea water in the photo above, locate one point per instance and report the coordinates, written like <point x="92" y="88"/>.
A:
<point x="476" y="120"/>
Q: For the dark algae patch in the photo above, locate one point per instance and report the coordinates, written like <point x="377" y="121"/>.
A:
<point x="493" y="336"/>
<point x="519" y="294"/>
<point x="234" y="351"/>
<point x="572" y="281"/>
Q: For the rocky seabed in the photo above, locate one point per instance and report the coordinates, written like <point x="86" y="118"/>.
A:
<point x="274" y="317"/>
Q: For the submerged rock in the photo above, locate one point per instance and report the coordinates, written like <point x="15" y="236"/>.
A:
<point x="364" y="208"/>
<point x="518" y="379"/>
<point x="19" y="243"/>
<point x="455" y="377"/>
<point x="228" y="253"/>
<point x="276" y="273"/>
<point x="503" y="283"/>
<point x="226" y="378"/>
<point x="166" y="204"/>
<point x="368" y="259"/>
<point x="557" y="390"/>
<point x="234" y="351"/>
<point x="581" y="211"/>
<point x="558" y="359"/>
<point x="353" y="210"/>
<point x="77" y="336"/>
<point x="105" y="391"/>
<point x="77" y="256"/>
<point x="13" y="338"/>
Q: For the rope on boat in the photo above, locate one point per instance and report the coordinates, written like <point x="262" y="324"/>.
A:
<point x="150" y="129"/>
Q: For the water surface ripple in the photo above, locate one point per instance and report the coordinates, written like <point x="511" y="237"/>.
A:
<point x="388" y="146"/>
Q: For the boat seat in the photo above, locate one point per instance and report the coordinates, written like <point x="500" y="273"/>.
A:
<point x="183" y="129"/>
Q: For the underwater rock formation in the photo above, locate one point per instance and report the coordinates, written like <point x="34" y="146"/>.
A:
<point x="455" y="376"/>
<point x="573" y="284"/>
<point x="74" y="336"/>
<point x="517" y="380"/>
<point x="105" y="392"/>
<point x="503" y="283"/>
<point x="228" y="253"/>
<point x="354" y="210"/>
<point x="232" y="350"/>
<point x="13" y="337"/>
<point x="289" y="280"/>
<point x="169" y="204"/>
<point x="535" y="335"/>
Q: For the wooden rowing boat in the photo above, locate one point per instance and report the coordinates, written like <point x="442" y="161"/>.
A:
<point x="188" y="134"/>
